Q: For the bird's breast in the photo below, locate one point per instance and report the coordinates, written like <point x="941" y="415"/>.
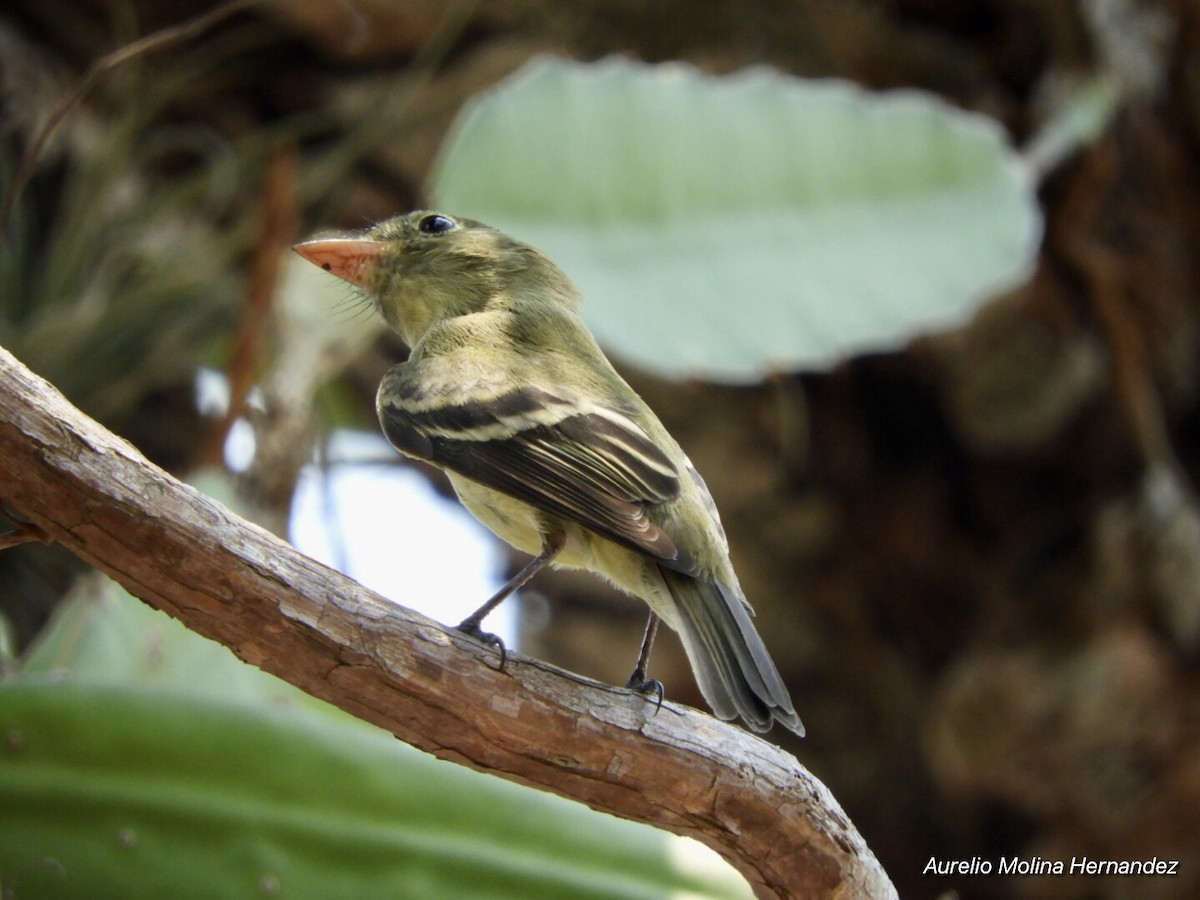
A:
<point x="524" y="527"/>
<point x="514" y="521"/>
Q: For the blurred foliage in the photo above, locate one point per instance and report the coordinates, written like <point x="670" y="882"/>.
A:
<point x="732" y="227"/>
<point x="125" y="244"/>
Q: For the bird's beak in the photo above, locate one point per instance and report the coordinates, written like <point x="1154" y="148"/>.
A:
<point x="350" y="259"/>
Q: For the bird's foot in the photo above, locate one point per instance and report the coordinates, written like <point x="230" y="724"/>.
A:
<point x="639" y="683"/>
<point x="470" y="626"/>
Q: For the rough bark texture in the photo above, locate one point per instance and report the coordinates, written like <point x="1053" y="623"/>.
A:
<point x="93" y="493"/>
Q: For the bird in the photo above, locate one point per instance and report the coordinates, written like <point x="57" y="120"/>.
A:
<point x="508" y="392"/>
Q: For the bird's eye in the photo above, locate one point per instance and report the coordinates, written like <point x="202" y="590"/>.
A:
<point x="435" y="224"/>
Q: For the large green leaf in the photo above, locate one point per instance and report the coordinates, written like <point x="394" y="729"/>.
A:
<point x="140" y="760"/>
<point x="726" y="227"/>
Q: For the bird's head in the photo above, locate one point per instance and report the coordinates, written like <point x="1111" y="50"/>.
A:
<point x="423" y="267"/>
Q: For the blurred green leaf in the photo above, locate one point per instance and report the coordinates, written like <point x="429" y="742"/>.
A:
<point x="140" y="760"/>
<point x="102" y="636"/>
<point x="726" y="227"/>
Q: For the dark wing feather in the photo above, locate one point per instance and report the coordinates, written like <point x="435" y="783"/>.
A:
<point x="594" y="467"/>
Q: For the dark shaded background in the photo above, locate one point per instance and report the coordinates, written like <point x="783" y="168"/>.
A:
<point x="976" y="561"/>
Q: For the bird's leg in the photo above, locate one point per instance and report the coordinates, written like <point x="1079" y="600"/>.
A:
<point x="551" y="545"/>
<point x="638" y="681"/>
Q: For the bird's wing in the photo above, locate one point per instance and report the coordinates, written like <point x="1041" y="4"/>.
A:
<point x="581" y="461"/>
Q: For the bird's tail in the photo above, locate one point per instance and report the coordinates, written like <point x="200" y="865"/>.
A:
<point x="732" y="666"/>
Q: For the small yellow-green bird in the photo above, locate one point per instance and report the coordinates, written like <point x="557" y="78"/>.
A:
<point x="508" y="392"/>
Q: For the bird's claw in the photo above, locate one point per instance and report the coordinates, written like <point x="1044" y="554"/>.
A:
<point x="472" y="629"/>
<point x="639" y="683"/>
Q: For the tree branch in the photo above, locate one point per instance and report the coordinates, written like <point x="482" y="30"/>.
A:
<point x="435" y="689"/>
